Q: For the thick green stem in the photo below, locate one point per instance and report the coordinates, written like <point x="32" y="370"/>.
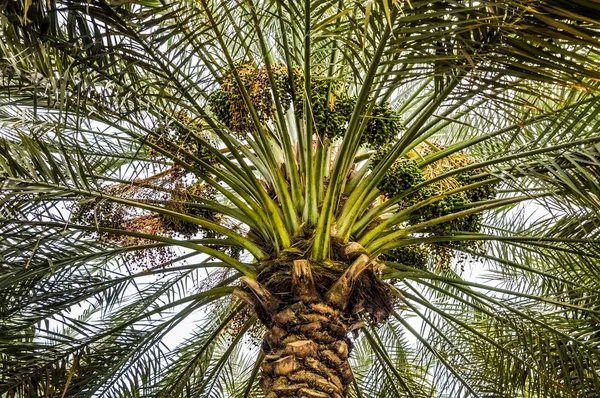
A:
<point x="346" y="156"/>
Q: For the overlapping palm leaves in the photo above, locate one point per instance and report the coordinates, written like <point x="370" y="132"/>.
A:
<point x="105" y="107"/>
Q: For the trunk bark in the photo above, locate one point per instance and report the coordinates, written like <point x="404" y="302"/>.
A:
<point x="306" y="353"/>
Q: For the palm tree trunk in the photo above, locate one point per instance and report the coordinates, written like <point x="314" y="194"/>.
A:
<point x="309" y="318"/>
<point x="307" y="353"/>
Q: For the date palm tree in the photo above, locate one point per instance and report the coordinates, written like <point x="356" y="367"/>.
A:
<point x="322" y="198"/>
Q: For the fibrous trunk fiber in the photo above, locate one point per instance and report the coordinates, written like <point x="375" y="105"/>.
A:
<point x="307" y="353"/>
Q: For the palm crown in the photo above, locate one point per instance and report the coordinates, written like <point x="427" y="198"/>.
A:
<point x="325" y="181"/>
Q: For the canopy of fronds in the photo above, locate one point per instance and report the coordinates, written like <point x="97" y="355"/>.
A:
<point x="160" y="162"/>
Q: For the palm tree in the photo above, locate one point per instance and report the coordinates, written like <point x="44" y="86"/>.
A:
<point x="321" y="198"/>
